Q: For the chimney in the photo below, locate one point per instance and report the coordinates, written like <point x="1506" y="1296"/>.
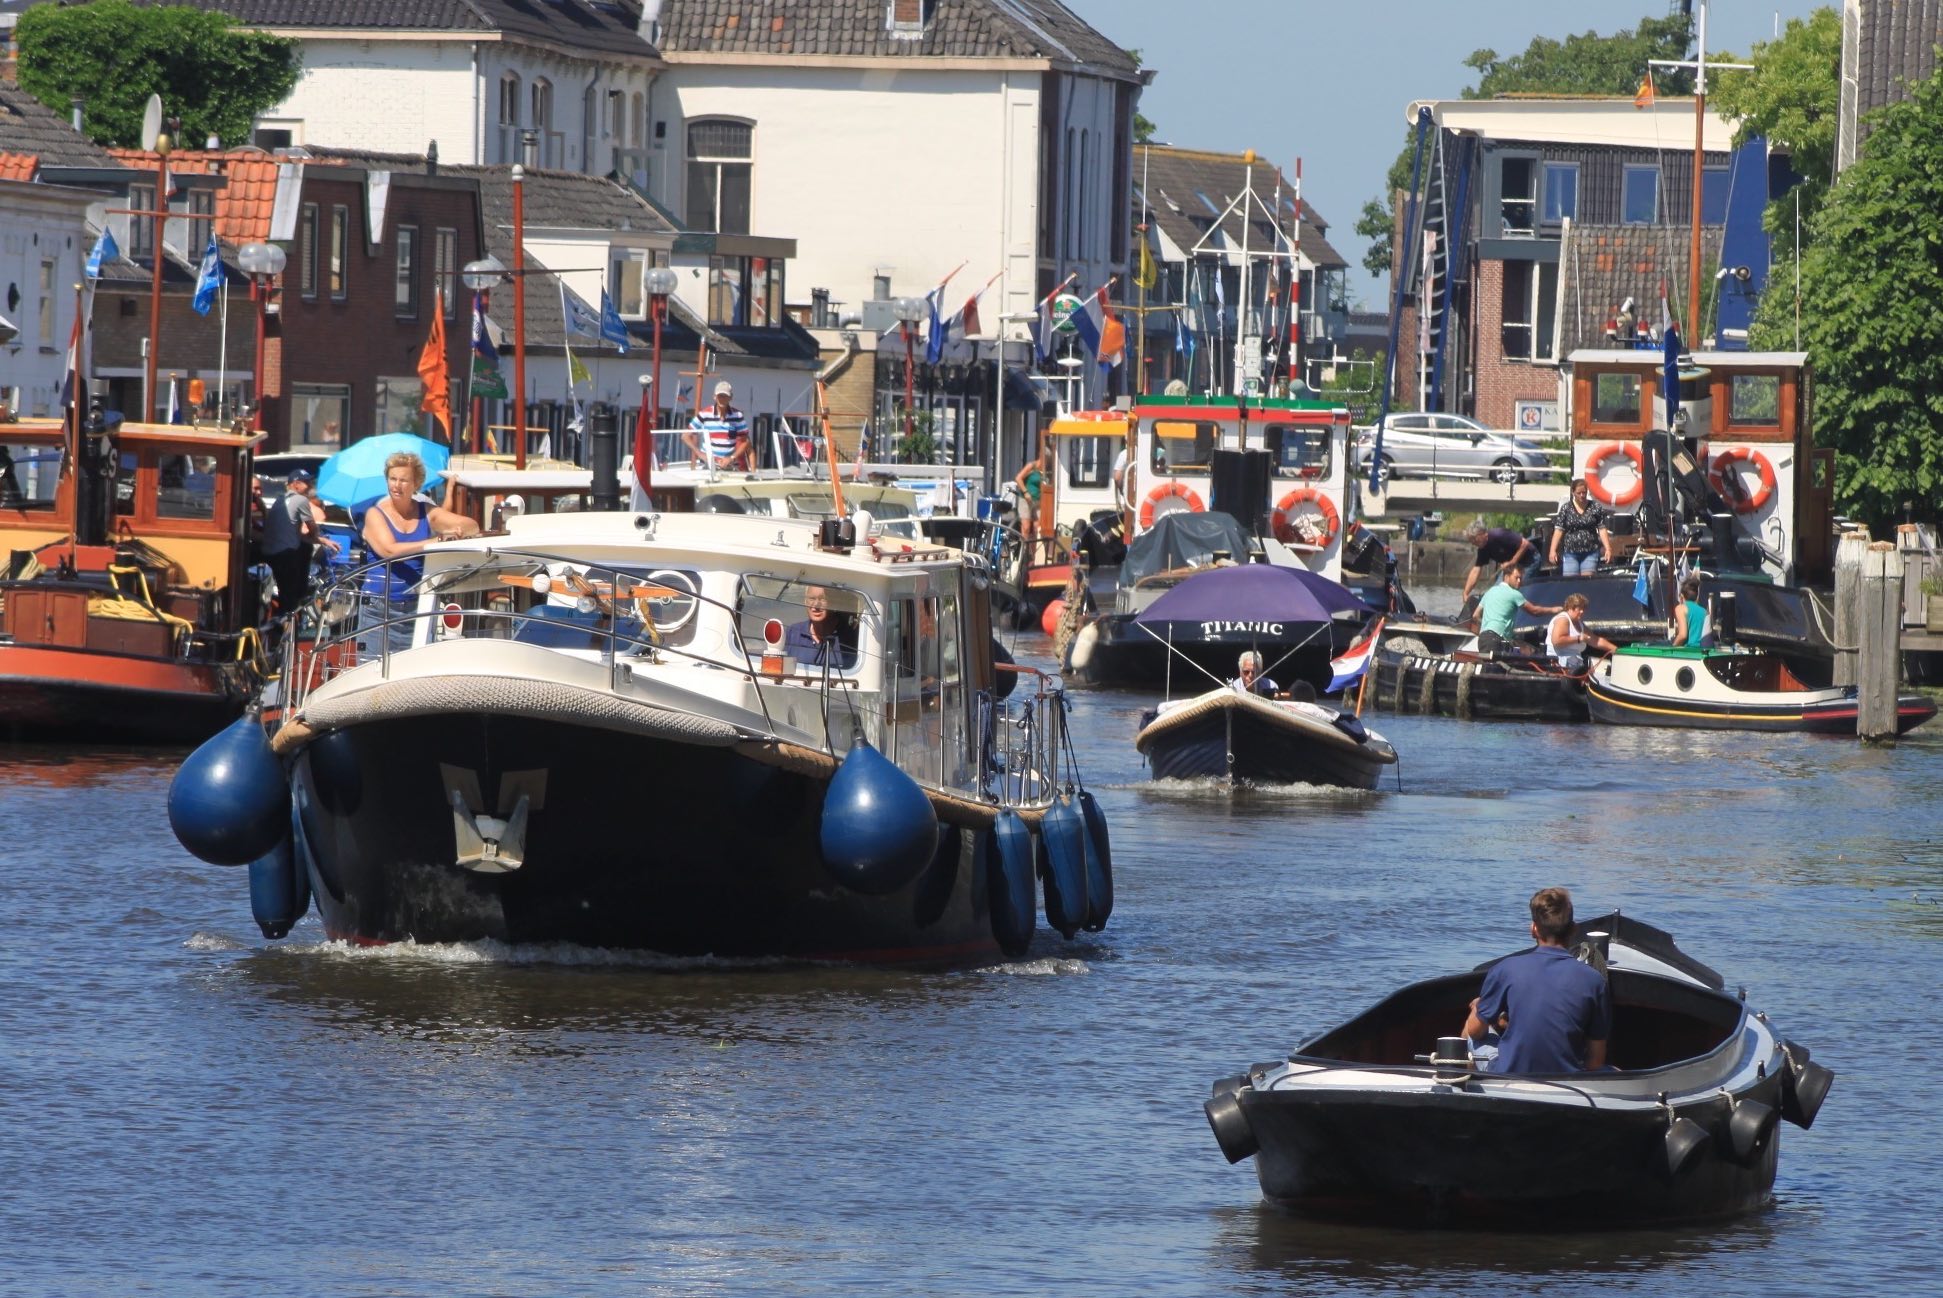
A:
<point x="432" y="158"/>
<point x="76" y="104"/>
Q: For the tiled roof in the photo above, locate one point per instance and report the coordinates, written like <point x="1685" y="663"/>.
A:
<point x="1887" y="50"/>
<point x="30" y="127"/>
<point x="1609" y="263"/>
<point x="600" y="26"/>
<point x="1186" y="188"/>
<point x="243" y="204"/>
<point x="996" y="29"/>
<point x="18" y="166"/>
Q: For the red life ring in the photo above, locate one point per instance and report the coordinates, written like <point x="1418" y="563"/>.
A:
<point x="1726" y="480"/>
<point x="1166" y="489"/>
<point x="1594" y="475"/>
<point x="1283" y="519"/>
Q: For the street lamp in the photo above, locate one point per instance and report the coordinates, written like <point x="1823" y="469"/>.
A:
<point x="262" y="262"/>
<point x="659" y="283"/>
<point x="480" y="276"/>
<point x="909" y="310"/>
<point x="158" y="214"/>
<point x="527" y="139"/>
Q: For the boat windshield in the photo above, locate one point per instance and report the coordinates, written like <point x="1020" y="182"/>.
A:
<point x="28" y="475"/>
<point x="1299" y="450"/>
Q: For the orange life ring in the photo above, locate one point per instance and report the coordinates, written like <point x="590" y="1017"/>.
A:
<point x="1727" y="481"/>
<point x="1284" y="523"/>
<point x="1594" y="476"/>
<point x="1194" y="502"/>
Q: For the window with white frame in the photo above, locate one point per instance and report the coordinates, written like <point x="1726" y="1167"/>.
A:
<point x="1561" y="192"/>
<point x="202" y="221"/>
<point x="541" y="121"/>
<point x="625" y="268"/>
<point x="509" y="97"/>
<point x="1529" y="305"/>
<point x="721" y="163"/>
<point x="1518" y="196"/>
<point x="339" y="265"/>
<point x="445" y="267"/>
<point x="404" y="293"/>
<point x="1640" y="197"/>
<point x="307" y="252"/>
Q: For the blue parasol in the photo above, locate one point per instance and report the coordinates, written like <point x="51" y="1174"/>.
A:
<point x="1245" y="602"/>
<point x="355" y="476"/>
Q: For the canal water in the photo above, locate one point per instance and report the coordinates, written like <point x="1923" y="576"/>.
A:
<point x="186" y="1109"/>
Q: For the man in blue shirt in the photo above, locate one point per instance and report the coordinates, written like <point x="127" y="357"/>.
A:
<point x="1555" y="1012"/>
<point x="818" y="639"/>
<point x="1499" y="609"/>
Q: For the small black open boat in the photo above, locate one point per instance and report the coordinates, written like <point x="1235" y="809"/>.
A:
<point x="1229" y="735"/>
<point x="1681" y="1128"/>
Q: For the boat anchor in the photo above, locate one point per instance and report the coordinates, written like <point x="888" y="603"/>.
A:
<point x="492" y="844"/>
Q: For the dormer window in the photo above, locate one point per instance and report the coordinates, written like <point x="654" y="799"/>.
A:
<point x="909" y="19"/>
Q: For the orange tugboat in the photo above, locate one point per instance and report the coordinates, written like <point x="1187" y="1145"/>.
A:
<point x="128" y="610"/>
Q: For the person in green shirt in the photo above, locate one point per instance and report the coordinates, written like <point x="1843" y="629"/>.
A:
<point x="1499" y="608"/>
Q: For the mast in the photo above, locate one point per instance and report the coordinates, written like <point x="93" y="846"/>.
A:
<point x="1241" y="301"/>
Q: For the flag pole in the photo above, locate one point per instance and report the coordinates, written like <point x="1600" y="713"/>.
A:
<point x="222" y="352"/>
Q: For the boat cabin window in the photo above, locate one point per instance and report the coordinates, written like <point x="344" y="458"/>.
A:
<point x="1089" y="460"/>
<point x="1183" y="446"/>
<point x="1298" y="450"/>
<point x="29" y="474"/>
<point x="1615" y="399"/>
<point x="1754" y="401"/>
<point x="926" y="706"/>
<point x="821" y="623"/>
<point x="187" y="486"/>
<point x="581" y="604"/>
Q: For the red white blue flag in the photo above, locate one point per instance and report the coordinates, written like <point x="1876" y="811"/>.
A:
<point x="1348" y="667"/>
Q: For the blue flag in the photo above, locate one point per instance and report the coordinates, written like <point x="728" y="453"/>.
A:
<point x="105" y="250"/>
<point x="934" y="344"/>
<point x="612" y="328"/>
<point x="208" y="279"/>
<point x="1642" y="591"/>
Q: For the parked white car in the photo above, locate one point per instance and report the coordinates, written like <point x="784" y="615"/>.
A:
<point x="1439" y="445"/>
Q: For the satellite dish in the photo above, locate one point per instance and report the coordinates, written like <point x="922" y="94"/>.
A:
<point x="151" y="123"/>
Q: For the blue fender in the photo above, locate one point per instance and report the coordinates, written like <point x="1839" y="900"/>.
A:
<point x="229" y="802"/>
<point x="879" y="829"/>
<point x="1062" y="865"/>
<point x="1099" y="863"/>
<point x="279" y="890"/>
<point x="1005" y="852"/>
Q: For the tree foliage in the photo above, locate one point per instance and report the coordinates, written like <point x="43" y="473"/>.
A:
<point x="1871" y="279"/>
<point x="211" y="73"/>
<point x="1792" y="99"/>
<point x="1143" y="126"/>
<point x="1588" y="64"/>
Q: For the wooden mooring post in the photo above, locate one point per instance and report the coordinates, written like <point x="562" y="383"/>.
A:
<point x="1879" y="641"/>
<point x="1849" y="552"/>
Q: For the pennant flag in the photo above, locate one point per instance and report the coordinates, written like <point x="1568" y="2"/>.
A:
<point x="486" y="378"/>
<point x="1348" y="667"/>
<point x="1642" y="589"/>
<point x="1644" y="97"/>
<point x="175" y="402"/>
<point x="580" y="318"/>
<point x="968" y="325"/>
<point x="613" y="329"/>
<point x="1220" y="290"/>
<point x="208" y="279"/>
<point x="1195" y="302"/>
<point x="1182" y="342"/>
<point x="436" y="375"/>
<point x="104" y="251"/>
<point x="1043" y="335"/>
<point x="577" y="370"/>
<point x="1147" y="274"/>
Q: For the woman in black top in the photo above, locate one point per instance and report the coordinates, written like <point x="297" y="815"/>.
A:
<point x="1581" y="534"/>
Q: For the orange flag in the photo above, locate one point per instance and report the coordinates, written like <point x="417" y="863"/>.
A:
<point x="1643" y="98"/>
<point x="435" y="375"/>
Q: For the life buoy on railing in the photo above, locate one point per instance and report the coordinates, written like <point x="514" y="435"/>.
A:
<point x="1595" y="475"/>
<point x="1163" y="492"/>
<point x="1726" y="479"/>
<point x="1283" y="519"/>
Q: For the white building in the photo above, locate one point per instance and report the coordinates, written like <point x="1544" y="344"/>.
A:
<point x="899" y="140"/>
<point x="472" y="75"/>
<point x="44" y="242"/>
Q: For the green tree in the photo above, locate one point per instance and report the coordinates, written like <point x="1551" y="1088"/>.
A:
<point x="1792" y="99"/>
<point x="212" y="73"/>
<point x="1871" y="278"/>
<point x="1143" y="126"/>
<point x="1589" y="64"/>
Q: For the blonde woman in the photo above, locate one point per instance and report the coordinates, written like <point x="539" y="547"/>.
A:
<point x="398" y="528"/>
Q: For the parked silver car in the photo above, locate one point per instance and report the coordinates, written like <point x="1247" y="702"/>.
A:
<point x="1437" y="445"/>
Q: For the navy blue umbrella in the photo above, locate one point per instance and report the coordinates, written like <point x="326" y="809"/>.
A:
<point x="1243" y="603"/>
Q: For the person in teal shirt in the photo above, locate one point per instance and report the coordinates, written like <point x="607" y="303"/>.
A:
<point x="1690" y="618"/>
<point x="1500" y="606"/>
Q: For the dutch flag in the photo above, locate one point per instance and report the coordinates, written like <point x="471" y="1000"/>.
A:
<point x="1348" y="668"/>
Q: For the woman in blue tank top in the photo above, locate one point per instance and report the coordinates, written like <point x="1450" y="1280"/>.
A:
<point x="398" y="528"/>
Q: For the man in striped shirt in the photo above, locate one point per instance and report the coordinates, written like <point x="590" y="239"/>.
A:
<point x="725" y="429"/>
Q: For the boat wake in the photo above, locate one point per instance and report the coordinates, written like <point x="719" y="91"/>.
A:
<point x="564" y="954"/>
<point x="1202" y="787"/>
<point x="1044" y="967"/>
<point x="212" y="942"/>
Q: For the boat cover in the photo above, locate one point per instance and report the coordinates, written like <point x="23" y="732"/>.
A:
<point x="1244" y="603"/>
<point x="1183" y="540"/>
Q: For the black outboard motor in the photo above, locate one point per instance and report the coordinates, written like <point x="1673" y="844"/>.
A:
<point x="94" y="499"/>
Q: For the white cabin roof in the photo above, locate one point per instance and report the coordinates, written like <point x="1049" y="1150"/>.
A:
<point x="1615" y="123"/>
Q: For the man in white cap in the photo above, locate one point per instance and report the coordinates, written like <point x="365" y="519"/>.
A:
<point x="726" y="430"/>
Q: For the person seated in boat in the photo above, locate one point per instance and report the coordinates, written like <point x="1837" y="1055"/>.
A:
<point x="1689" y="616"/>
<point x="1567" y="642"/>
<point x="1251" y="680"/>
<point x="1499" y="545"/>
<point x="1554" y="1013"/>
<point x="1500" y="607"/>
<point x="824" y="637"/>
<point x="398" y="528"/>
